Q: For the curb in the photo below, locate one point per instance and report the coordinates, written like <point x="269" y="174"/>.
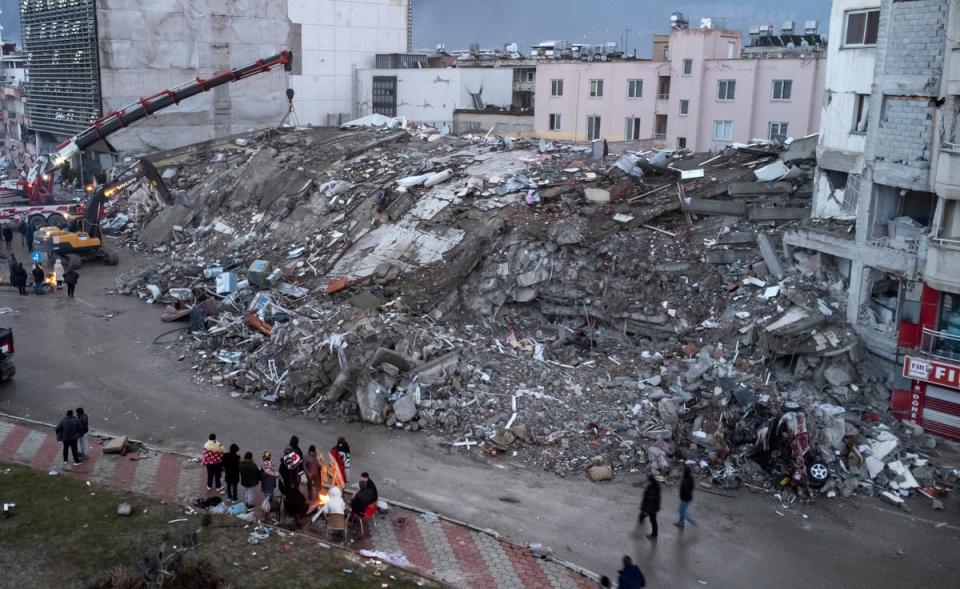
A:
<point x="490" y="532"/>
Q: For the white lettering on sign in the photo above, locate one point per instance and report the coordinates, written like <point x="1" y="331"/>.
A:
<point x="931" y="371"/>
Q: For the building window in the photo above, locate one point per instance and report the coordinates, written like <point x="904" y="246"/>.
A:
<point x="723" y="130"/>
<point x="726" y="89"/>
<point x="663" y="88"/>
<point x="593" y="128"/>
<point x="684" y="107"/>
<point x="861" y="113"/>
<point x="634" y="88"/>
<point x="782" y="89"/>
<point x="687" y="67"/>
<point x="596" y="88"/>
<point x="554" y="121"/>
<point x="556" y="87"/>
<point x="660" y="127"/>
<point x="777" y="131"/>
<point x="531" y="75"/>
<point x="861" y="27"/>
<point x="632" y="131"/>
<point x="682" y="142"/>
<point x="731" y="49"/>
<point x="950" y="220"/>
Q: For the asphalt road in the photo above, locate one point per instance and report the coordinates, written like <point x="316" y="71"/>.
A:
<point x="96" y="351"/>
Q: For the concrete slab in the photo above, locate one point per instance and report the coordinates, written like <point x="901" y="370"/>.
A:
<point x="759" y="188"/>
<point x="714" y="207"/>
<point x="770" y="256"/>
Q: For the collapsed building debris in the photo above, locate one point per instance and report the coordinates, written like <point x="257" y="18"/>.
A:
<point x="515" y="296"/>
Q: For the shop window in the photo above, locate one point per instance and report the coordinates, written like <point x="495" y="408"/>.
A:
<point x="947" y="340"/>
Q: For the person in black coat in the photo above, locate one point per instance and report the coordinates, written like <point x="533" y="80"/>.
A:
<point x="12" y="265"/>
<point x="7" y="236"/>
<point x="70" y="277"/>
<point x="38" y="276"/>
<point x="650" y="506"/>
<point x="231" y="471"/>
<point x="249" y="479"/>
<point x="686" y="496"/>
<point x="68" y="432"/>
<point x="29" y="236"/>
<point x="22" y="230"/>
<point x="365" y="496"/>
<point x="631" y="577"/>
<point x="21" y="278"/>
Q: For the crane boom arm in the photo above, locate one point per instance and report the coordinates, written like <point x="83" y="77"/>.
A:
<point x="145" y="107"/>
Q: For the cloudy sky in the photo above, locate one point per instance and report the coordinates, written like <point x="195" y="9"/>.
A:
<point x="492" y="23"/>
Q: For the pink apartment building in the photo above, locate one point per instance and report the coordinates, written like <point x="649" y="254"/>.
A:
<point x="703" y="91"/>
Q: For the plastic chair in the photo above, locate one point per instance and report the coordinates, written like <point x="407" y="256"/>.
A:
<point x="368" y="515"/>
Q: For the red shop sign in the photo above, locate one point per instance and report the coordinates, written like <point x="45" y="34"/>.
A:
<point x="931" y="371"/>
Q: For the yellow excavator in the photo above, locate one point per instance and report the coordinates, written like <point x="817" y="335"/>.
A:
<point x="82" y="238"/>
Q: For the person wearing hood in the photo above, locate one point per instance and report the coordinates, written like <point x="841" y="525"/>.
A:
<point x="231" y="471"/>
<point x="21" y="283"/>
<point x="650" y="506"/>
<point x="212" y="459"/>
<point x="249" y="479"/>
<point x="268" y="481"/>
<point x="335" y="504"/>
<point x="343" y="449"/>
<point x="58" y="273"/>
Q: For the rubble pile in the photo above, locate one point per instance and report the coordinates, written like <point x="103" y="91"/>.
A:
<point x="572" y="308"/>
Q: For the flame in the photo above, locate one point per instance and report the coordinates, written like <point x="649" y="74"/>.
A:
<point x="50" y="279"/>
<point x="322" y="498"/>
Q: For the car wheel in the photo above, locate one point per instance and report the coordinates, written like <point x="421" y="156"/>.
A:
<point x="817" y="473"/>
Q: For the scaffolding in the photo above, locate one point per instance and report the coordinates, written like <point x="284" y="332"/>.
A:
<point x="63" y="73"/>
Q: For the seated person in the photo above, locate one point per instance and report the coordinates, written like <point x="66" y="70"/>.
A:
<point x="334" y="505"/>
<point x="294" y="502"/>
<point x="365" y="496"/>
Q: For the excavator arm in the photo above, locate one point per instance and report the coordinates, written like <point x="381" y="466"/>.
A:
<point x="145" y="107"/>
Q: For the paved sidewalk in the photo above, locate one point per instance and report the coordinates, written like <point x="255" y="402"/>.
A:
<point x="454" y="553"/>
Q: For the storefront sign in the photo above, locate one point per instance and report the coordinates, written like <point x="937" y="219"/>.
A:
<point x="930" y="371"/>
<point x="916" y="400"/>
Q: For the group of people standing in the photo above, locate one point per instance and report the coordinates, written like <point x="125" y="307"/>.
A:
<point x="330" y="471"/>
<point x="18" y="276"/>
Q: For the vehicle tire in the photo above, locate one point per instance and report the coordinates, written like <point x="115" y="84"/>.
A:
<point x="57" y="220"/>
<point x="73" y="261"/>
<point x="817" y="474"/>
<point x="37" y="221"/>
<point x="111" y="258"/>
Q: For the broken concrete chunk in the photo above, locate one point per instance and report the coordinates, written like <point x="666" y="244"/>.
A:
<point x="371" y="401"/>
<point x="597" y="195"/>
<point x="405" y="409"/>
<point x="115" y="445"/>
<point x="124" y="509"/>
<point x="393" y="357"/>
<point x="599" y="473"/>
<point x="837" y="376"/>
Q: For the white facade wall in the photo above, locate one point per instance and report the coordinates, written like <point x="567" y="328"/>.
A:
<point x="337" y="38"/>
<point x="849" y="73"/>
<point x="431" y="95"/>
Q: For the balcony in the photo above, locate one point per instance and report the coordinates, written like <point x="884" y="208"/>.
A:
<point x="943" y="259"/>
<point x="947" y="182"/>
<point x="663" y="96"/>
<point x="940" y="344"/>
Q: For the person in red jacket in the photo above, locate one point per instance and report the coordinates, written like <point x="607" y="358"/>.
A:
<point x="212" y="459"/>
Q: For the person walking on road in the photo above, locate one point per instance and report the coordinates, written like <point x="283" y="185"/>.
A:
<point x="68" y="432"/>
<point x="212" y="459"/>
<point x="21" y="283"/>
<point x="686" y="496"/>
<point x="631" y="577"/>
<point x="7" y="236"/>
<point x="650" y="506"/>
<point x="231" y="471"/>
<point x="58" y="273"/>
<point x="84" y="429"/>
<point x="29" y="237"/>
<point x="12" y="265"/>
<point x="71" y="277"/>
<point x="38" y="276"/>
<point x="22" y="230"/>
<point x="249" y="479"/>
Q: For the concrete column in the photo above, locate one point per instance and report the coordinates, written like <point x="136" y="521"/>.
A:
<point x="858" y="290"/>
<point x="222" y="119"/>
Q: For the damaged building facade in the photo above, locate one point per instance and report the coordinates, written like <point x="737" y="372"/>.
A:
<point x="122" y="50"/>
<point x="885" y="206"/>
<point x="703" y="91"/>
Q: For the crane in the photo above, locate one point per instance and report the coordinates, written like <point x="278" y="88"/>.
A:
<point x="88" y="241"/>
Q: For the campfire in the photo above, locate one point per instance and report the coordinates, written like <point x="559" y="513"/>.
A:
<point x="50" y="279"/>
<point x="322" y="498"/>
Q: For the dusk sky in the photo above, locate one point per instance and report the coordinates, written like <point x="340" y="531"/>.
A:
<point x="492" y="23"/>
